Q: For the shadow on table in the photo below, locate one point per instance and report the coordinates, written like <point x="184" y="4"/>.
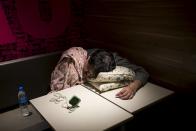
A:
<point x="176" y="112"/>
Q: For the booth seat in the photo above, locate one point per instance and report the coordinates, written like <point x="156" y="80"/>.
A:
<point x="34" y="74"/>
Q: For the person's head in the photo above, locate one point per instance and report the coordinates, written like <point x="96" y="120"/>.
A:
<point x="100" y="61"/>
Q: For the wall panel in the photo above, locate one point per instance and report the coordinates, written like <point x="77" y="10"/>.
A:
<point x="159" y="35"/>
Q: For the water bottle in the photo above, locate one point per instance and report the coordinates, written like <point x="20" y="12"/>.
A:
<point x="23" y="101"/>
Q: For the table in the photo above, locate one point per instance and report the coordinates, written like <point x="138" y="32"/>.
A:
<point x="145" y="96"/>
<point x="94" y="112"/>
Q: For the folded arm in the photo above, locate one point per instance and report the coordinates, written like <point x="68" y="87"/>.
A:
<point x="140" y="79"/>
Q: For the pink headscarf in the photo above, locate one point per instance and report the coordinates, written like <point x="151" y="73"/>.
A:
<point x="69" y="70"/>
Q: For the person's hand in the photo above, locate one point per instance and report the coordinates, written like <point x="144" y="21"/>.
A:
<point x="129" y="91"/>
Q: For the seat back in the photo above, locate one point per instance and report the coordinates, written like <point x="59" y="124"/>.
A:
<point x="32" y="72"/>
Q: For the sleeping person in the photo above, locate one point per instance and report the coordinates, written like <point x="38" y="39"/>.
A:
<point x="77" y="65"/>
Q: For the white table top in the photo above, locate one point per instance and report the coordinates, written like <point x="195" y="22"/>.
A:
<point x="145" y="96"/>
<point x="94" y="113"/>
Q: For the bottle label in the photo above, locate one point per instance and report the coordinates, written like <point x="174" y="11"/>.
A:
<point x="22" y="100"/>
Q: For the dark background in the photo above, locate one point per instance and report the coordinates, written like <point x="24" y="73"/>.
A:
<point x="156" y="34"/>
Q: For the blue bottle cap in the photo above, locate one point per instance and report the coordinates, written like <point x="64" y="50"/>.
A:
<point x="20" y="87"/>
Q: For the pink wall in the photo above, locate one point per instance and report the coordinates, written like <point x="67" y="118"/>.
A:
<point x="30" y="27"/>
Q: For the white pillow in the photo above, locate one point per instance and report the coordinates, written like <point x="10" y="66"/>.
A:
<point x="120" y="73"/>
<point x="117" y="78"/>
<point x="107" y="86"/>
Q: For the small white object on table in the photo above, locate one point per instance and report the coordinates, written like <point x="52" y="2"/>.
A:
<point x="94" y="112"/>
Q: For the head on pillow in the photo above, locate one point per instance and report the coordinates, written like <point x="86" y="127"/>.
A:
<point x="101" y="61"/>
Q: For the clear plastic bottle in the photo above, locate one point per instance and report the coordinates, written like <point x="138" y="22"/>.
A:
<point x="23" y="101"/>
